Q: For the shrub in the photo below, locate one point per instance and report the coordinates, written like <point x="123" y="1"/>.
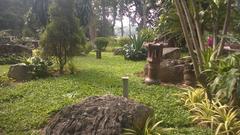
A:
<point x="150" y="128"/>
<point x="71" y="66"/>
<point x="130" y="53"/>
<point x="112" y="43"/>
<point x="193" y="96"/>
<point x="222" y="77"/>
<point x="62" y="42"/>
<point x="118" y="51"/>
<point x="124" y="41"/>
<point x="88" y="48"/>
<point x="4" y="81"/>
<point x="149" y="34"/>
<point x="36" y="53"/>
<point x="11" y="59"/>
<point x="101" y="43"/>
<point x="135" y="51"/>
<point x="222" y="118"/>
<point x="39" y="67"/>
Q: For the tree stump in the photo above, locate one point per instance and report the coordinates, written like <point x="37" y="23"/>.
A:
<point x="99" y="115"/>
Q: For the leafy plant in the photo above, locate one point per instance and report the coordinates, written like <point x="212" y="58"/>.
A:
<point x="135" y="51"/>
<point x="137" y="41"/>
<point x="223" y="76"/>
<point x="202" y="112"/>
<point x="150" y="128"/>
<point x="149" y="34"/>
<point x="4" y="81"/>
<point x="39" y="66"/>
<point x="225" y="120"/>
<point x="11" y="59"/>
<point x="71" y="66"/>
<point x="88" y="48"/>
<point x="101" y="43"/>
<point x="193" y="96"/>
<point x="122" y="41"/>
<point x="222" y="119"/>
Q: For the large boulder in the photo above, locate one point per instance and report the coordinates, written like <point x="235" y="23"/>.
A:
<point x="171" y="71"/>
<point x="171" y="53"/>
<point x="99" y="115"/>
<point x="20" y="72"/>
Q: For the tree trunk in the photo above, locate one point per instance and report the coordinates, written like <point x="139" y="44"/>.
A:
<point x="130" y="27"/>
<point x="121" y="17"/>
<point x="61" y="67"/>
<point x="187" y="37"/>
<point x="122" y="28"/>
<point x="104" y="15"/>
<point x="114" y="17"/>
<point x="144" y="16"/>
<point x="193" y="34"/>
<point x="197" y="25"/>
<point x="225" y="28"/>
<point x="92" y="31"/>
<point x="98" y="54"/>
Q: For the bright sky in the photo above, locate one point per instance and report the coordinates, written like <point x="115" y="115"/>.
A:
<point x="125" y="25"/>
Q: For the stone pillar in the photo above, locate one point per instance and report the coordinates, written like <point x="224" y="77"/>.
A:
<point x="154" y="58"/>
<point x="125" y="86"/>
<point x="189" y="75"/>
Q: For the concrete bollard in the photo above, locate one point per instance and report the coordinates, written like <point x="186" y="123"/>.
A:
<point x="125" y="86"/>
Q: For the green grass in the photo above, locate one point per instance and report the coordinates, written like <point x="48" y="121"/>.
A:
<point x="27" y="107"/>
<point x="3" y="69"/>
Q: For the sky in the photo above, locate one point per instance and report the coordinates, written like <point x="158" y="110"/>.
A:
<point x="126" y="27"/>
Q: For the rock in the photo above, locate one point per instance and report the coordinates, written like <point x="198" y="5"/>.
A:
<point x="99" y="115"/>
<point x="171" y="53"/>
<point x="20" y="72"/>
<point x="171" y="71"/>
<point x="14" y="49"/>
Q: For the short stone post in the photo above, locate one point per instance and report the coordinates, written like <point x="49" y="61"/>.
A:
<point x="154" y="58"/>
<point x="189" y="75"/>
<point x="125" y="86"/>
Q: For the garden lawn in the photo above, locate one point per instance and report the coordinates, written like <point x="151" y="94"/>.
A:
<point x="26" y="108"/>
<point x="3" y="69"/>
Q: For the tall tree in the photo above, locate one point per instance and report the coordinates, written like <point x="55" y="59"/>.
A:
<point x="12" y="14"/>
<point x="63" y="36"/>
<point x="40" y="9"/>
<point x="187" y="12"/>
<point x="84" y="10"/>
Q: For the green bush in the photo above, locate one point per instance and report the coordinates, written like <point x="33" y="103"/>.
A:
<point x="11" y="59"/>
<point x="101" y="43"/>
<point x="135" y="51"/>
<point x="39" y="67"/>
<point x="118" y="51"/>
<point x="4" y="81"/>
<point x="112" y="43"/>
<point x="124" y="41"/>
<point x="149" y="34"/>
<point x="130" y="53"/>
<point x="88" y="48"/>
<point x="222" y="77"/>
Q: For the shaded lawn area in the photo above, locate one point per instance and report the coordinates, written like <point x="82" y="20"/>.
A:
<point x="4" y="69"/>
<point x="26" y="108"/>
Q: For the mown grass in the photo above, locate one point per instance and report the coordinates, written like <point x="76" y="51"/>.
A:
<point x="4" y="69"/>
<point x="27" y="107"/>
